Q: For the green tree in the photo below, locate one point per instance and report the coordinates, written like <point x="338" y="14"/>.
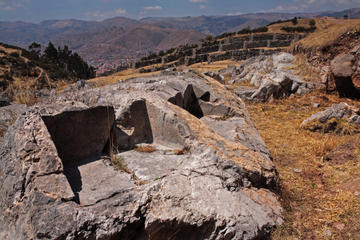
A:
<point x="294" y="21"/>
<point x="312" y="23"/>
<point x="51" y="52"/>
<point x="35" y="49"/>
<point x="346" y="16"/>
<point x="209" y="38"/>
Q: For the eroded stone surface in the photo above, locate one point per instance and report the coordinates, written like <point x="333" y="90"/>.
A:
<point x="340" y="118"/>
<point x="345" y="74"/>
<point x="270" y="77"/>
<point x="203" y="181"/>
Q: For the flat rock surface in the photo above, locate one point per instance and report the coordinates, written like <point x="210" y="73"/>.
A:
<point x="95" y="181"/>
<point x="210" y="176"/>
<point x="152" y="166"/>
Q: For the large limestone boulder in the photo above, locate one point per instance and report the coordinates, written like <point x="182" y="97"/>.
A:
<point x="268" y="77"/>
<point x="345" y="73"/>
<point x="74" y="169"/>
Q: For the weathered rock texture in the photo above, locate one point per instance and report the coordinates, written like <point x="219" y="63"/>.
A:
<point x="211" y="176"/>
<point x="268" y="77"/>
<point x="8" y="116"/>
<point x="338" y="63"/>
<point x="345" y="73"/>
<point x="339" y="118"/>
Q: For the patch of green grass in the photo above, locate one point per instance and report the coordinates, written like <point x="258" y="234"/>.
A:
<point x="119" y="163"/>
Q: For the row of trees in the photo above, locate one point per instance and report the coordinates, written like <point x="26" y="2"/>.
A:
<point x="60" y="63"/>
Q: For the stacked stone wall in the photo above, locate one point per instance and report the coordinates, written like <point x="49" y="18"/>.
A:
<point x="239" y="48"/>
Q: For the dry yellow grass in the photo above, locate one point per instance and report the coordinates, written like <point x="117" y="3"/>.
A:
<point x="146" y="149"/>
<point x="302" y="67"/>
<point x="328" y="31"/>
<point x="123" y="75"/>
<point x="317" y="203"/>
<point x="22" y="89"/>
<point x="214" y="66"/>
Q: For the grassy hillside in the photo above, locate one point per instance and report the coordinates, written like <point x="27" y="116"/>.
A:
<point x="23" y="73"/>
<point x="328" y="31"/>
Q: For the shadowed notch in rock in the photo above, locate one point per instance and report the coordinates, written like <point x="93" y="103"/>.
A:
<point x="180" y="230"/>
<point x="80" y="137"/>
<point x="133" y="127"/>
<point x="346" y="88"/>
<point x="189" y="101"/>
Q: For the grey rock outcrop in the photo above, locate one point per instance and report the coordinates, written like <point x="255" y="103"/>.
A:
<point x="328" y="120"/>
<point x="71" y="169"/>
<point x="345" y="73"/>
<point x="8" y="116"/>
<point x="270" y="76"/>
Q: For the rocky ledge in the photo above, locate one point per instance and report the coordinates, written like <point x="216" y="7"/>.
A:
<point x="263" y="78"/>
<point x="77" y="169"/>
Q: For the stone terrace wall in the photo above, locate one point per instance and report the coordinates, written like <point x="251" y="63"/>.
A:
<point x="238" y="48"/>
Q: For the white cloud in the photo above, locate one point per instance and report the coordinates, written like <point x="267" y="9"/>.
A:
<point x="198" y="1"/>
<point x="315" y="5"/>
<point x="153" y="8"/>
<point x="9" y="5"/>
<point x="234" y="13"/>
<point x="97" y="15"/>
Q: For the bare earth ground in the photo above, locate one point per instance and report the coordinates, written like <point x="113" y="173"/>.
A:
<point x="320" y="173"/>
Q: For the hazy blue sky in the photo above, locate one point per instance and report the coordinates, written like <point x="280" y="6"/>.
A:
<point x="37" y="10"/>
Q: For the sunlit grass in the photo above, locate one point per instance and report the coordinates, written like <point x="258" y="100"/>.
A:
<point x="316" y="204"/>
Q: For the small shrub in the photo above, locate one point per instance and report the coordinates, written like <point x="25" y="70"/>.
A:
<point x="14" y="54"/>
<point x="119" y="164"/>
<point x="246" y="30"/>
<point x="260" y="29"/>
<point x="312" y="23"/>
<point x="299" y="29"/>
<point x="294" y="21"/>
<point x="209" y="38"/>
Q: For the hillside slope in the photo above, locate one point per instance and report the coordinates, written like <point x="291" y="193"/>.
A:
<point x="120" y="40"/>
<point x="117" y="45"/>
<point x="216" y="25"/>
<point x="19" y="75"/>
<point x="25" y="76"/>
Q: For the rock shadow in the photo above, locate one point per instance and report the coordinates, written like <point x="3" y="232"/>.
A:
<point x="133" y="127"/>
<point x="80" y="137"/>
<point x="189" y="101"/>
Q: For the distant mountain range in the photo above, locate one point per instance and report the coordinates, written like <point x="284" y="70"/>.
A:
<point x="120" y="40"/>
